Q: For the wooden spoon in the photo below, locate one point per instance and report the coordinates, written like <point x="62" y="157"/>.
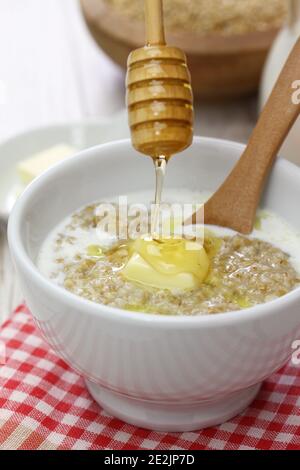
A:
<point x="235" y="203"/>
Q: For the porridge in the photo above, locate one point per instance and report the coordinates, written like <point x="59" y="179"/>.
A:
<point x="218" y="16"/>
<point x="182" y="277"/>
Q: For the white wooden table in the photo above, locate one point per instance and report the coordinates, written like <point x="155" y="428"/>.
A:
<point x="51" y="71"/>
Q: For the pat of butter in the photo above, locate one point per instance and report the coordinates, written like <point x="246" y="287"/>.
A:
<point x="138" y="270"/>
<point x="167" y="264"/>
<point x="34" y="166"/>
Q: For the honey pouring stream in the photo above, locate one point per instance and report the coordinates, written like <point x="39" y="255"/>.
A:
<point x="160" y="171"/>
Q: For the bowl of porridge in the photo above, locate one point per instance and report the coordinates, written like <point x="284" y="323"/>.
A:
<point x="174" y="334"/>
<point x="226" y="42"/>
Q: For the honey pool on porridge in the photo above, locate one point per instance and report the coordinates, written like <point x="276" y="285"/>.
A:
<point x="217" y="272"/>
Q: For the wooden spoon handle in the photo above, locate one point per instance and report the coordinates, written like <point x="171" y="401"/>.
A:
<point x="279" y="113"/>
<point x="235" y="203"/>
<point x="155" y="32"/>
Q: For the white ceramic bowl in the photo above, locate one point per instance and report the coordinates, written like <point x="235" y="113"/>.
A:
<point x="159" y="372"/>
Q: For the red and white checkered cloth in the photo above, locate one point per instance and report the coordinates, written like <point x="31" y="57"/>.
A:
<point x="45" y="405"/>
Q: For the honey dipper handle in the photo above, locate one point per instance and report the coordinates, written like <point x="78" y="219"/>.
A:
<point x="155" y="33"/>
<point x="234" y="205"/>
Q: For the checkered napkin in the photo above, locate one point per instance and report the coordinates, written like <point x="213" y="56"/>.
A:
<point x="45" y="405"/>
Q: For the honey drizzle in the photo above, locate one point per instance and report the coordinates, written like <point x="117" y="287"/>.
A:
<point x="160" y="164"/>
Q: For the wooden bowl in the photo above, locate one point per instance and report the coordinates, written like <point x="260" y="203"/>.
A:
<point x="221" y="66"/>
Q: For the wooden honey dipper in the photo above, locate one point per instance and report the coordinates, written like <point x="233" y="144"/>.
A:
<point x="159" y="93"/>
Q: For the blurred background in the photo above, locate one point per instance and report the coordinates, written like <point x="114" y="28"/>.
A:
<point x="51" y="70"/>
<point x="63" y="62"/>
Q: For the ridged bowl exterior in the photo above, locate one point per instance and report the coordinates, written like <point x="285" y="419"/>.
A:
<point x="163" y="359"/>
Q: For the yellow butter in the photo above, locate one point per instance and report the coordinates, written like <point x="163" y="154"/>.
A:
<point x="138" y="270"/>
<point x="167" y="264"/>
<point x="34" y="166"/>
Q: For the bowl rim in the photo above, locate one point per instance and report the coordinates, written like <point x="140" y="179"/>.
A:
<point x="21" y="258"/>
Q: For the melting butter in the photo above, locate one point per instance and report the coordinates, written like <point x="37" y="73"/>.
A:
<point x="167" y="264"/>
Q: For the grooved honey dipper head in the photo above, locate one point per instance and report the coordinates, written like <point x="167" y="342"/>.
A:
<point x="159" y="100"/>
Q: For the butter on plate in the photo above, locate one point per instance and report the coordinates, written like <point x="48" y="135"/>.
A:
<point x="34" y="166"/>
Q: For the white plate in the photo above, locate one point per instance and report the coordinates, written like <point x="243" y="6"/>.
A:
<point x="81" y="135"/>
